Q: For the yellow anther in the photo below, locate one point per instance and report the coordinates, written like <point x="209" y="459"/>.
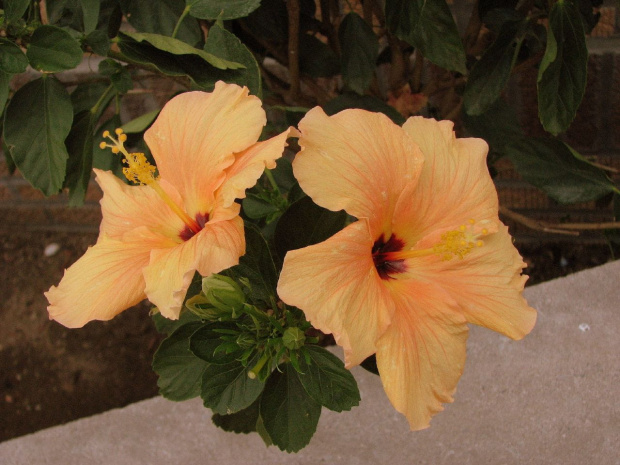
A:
<point x="103" y="145"/>
<point x="453" y="244"/>
<point x="460" y="242"/>
<point x="118" y="131"/>
<point x="115" y="149"/>
<point x="106" y="134"/>
<point x="122" y="137"/>
<point x="138" y="169"/>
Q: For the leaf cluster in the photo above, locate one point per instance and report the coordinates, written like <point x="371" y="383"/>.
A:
<point x="252" y="359"/>
<point x="371" y="55"/>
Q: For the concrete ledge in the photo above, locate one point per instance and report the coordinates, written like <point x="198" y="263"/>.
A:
<point x="549" y="399"/>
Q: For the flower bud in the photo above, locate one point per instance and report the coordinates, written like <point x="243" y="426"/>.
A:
<point x="200" y="306"/>
<point x="293" y="338"/>
<point x="223" y="293"/>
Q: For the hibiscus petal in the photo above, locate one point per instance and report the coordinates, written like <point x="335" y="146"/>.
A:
<point x="106" y="280"/>
<point x="421" y="355"/>
<point x="249" y="166"/>
<point x="170" y="270"/>
<point x="487" y="284"/>
<point x="195" y="136"/>
<point x="454" y="185"/>
<point x="126" y="207"/>
<point x="337" y="286"/>
<point x="357" y="161"/>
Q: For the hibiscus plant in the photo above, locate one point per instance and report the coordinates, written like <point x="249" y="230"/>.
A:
<point x="299" y="182"/>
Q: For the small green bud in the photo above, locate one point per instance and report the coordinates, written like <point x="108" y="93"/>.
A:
<point x="200" y="306"/>
<point x="223" y="293"/>
<point x="293" y="338"/>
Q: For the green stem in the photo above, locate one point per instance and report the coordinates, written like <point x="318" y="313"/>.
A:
<point x="178" y="25"/>
<point x="105" y="96"/>
<point x="272" y="180"/>
<point x="253" y="373"/>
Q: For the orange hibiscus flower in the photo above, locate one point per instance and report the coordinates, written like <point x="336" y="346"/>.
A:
<point x="427" y="254"/>
<point x="154" y="236"/>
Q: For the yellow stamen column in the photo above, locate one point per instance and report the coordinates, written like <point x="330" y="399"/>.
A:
<point x="455" y="243"/>
<point x="140" y="171"/>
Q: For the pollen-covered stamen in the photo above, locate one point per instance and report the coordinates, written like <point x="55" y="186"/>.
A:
<point x="456" y="243"/>
<point x="140" y="171"/>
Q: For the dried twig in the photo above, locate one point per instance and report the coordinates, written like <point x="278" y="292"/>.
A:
<point x="418" y="67"/>
<point x="328" y="27"/>
<point x="604" y="167"/>
<point x="558" y="228"/>
<point x="292" y="7"/>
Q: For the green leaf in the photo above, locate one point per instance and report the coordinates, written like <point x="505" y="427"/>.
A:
<point x="428" y="26"/>
<point x="90" y="14"/>
<point x="289" y="415"/>
<point x="15" y="9"/>
<point x="36" y="123"/>
<point x="174" y="58"/>
<point x="563" y="70"/>
<point x="498" y="125"/>
<point x="80" y="148"/>
<point x="490" y="75"/>
<point x="177" y="47"/>
<point x="52" y="50"/>
<point x="66" y="14"/>
<point x="98" y="41"/>
<point x="86" y="95"/>
<point x="161" y="17"/>
<point x="283" y="174"/>
<point x="207" y="339"/>
<point x="327" y="381"/>
<point x="564" y="175"/>
<point x="226" y="45"/>
<point x="228" y="389"/>
<point x="111" y="17"/>
<point x="5" y="81"/>
<point x="365" y="102"/>
<point x="359" y="51"/>
<point x="256" y="207"/>
<point x="221" y="9"/>
<point x="12" y="59"/>
<point x="141" y="123"/>
<point x="244" y="421"/>
<point x="118" y="74"/>
<point x="179" y="370"/>
<point x="305" y="223"/>
<point x="317" y="59"/>
<point x="256" y="266"/>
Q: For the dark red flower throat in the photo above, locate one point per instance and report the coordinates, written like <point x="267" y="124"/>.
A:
<point x="380" y="256"/>
<point x="201" y="218"/>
